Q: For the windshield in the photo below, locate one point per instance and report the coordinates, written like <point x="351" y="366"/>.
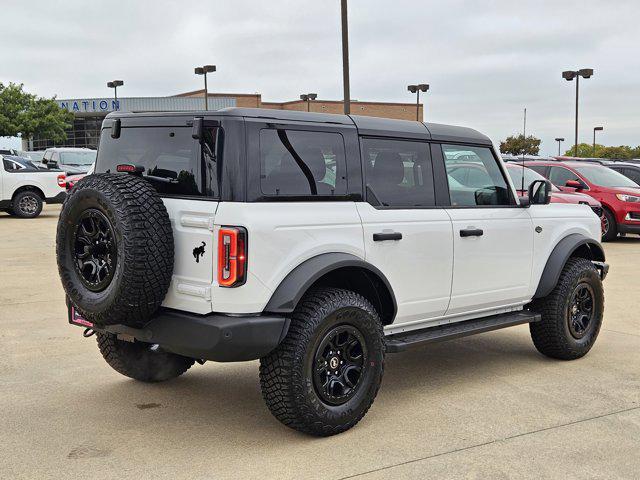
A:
<point x="78" y="158"/>
<point x="605" y="177"/>
<point x="172" y="159"/>
<point x="529" y="177"/>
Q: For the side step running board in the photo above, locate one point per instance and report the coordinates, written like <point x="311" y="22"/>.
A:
<point x="404" y="341"/>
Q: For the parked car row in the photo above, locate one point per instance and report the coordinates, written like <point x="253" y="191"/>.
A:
<point x="613" y="184"/>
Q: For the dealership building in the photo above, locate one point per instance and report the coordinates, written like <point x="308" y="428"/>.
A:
<point x="90" y="112"/>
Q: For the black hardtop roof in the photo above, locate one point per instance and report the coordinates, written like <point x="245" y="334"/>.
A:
<point x="374" y="126"/>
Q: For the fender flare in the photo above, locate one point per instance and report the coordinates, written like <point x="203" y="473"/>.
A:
<point x="291" y="289"/>
<point x="559" y="256"/>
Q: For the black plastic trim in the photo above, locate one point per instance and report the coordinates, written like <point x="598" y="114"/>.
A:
<point x="449" y="331"/>
<point x="558" y="258"/>
<point x="217" y="337"/>
<point x="297" y="282"/>
<point x="626" y="228"/>
<point x="59" y="198"/>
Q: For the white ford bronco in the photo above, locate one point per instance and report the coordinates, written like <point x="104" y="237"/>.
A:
<point x="316" y="243"/>
<point x="24" y="187"/>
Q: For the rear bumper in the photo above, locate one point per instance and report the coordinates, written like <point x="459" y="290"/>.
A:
<point x="59" y="198"/>
<point x="222" y="338"/>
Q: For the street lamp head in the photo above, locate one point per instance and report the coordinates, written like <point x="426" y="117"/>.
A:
<point x="209" y="68"/>
<point x="585" y="72"/>
<point x="115" y="83"/>
<point x="423" y="87"/>
<point x="559" y="139"/>
<point x="412" y="88"/>
<point x="312" y="96"/>
<point x="569" y="75"/>
<point x="598" y="129"/>
<point x="304" y="97"/>
<point x="198" y="71"/>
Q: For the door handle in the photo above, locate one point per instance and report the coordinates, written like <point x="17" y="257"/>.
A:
<point x="471" y="232"/>
<point x="381" y="237"/>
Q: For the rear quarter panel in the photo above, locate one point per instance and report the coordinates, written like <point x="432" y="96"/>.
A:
<point x="281" y="236"/>
<point x="558" y="220"/>
<point x="45" y="181"/>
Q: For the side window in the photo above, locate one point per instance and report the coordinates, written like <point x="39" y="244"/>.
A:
<point x="541" y="169"/>
<point x="210" y="161"/>
<point x="8" y="166"/>
<point x="485" y="183"/>
<point x="560" y="175"/>
<point x="295" y="162"/>
<point x="55" y="156"/>
<point x="398" y="173"/>
<point x="633" y="174"/>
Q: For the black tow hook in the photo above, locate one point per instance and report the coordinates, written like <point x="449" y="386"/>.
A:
<point x="88" y="332"/>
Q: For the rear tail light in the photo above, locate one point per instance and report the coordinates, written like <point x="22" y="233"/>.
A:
<point x="232" y="256"/>
<point x="62" y="181"/>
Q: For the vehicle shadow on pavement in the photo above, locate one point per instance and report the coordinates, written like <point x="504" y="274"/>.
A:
<point x="227" y="397"/>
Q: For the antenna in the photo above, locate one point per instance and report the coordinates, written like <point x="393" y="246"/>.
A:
<point x="524" y="134"/>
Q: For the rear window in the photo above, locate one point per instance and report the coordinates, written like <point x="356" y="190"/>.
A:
<point x="301" y="163"/>
<point x="77" y="158"/>
<point x="173" y="161"/>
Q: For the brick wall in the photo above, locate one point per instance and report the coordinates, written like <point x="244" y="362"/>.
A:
<point x="401" y="111"/>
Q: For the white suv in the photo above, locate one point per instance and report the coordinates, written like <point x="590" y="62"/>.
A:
<point x="316" y="243"/>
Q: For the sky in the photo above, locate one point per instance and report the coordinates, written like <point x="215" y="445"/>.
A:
<point x="485" y="60"/>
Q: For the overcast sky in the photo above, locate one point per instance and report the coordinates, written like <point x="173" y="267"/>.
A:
<point x="485" y="60"/>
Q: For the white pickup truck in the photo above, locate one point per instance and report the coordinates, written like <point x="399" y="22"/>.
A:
<point x="23" y="188"/>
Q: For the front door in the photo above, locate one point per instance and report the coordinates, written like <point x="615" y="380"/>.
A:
<point x="492" y="236"/>
<point x="405" y="235"/>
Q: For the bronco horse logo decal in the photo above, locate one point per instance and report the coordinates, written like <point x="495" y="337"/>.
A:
<point x="199" y="252"/>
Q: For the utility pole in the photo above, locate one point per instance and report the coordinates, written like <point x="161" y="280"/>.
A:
<point x="345" y="58"/>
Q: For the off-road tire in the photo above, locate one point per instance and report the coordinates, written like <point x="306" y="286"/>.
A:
<point x="19" y="207"/>
<point x="136" y="360"/>
<point x="286" y="377"/>
<point x="612" y="231"/>
<point x="142" y="259"/>
<point x="552" y="335"/>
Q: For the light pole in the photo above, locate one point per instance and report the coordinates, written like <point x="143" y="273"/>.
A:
<point x="203" y="71"/>
<point x="421" y="87"/>
<point x="568" y="76"/>
<point x="559" y="140"/>
<point x="595" y="129"/>
<point x="345" y="57"/>
<point x="307" y="97"/>
<point x="115" y="84"/>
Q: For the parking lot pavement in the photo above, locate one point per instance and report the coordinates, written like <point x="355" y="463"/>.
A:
<point x="482" y="407"/>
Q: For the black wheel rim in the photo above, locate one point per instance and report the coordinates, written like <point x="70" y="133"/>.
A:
<point x="95" y="254"/>
<point x="28" y="204"/>
<point x="581" y="307"/>
<point x="339" y="364"/>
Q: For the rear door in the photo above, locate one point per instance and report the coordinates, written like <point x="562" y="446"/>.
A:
<point x="492" y="236"/>
<point x="405" y="235"/>
<point x="184" y="171"/>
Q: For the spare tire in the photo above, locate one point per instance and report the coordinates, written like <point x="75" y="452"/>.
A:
<point x="114" y="247"/>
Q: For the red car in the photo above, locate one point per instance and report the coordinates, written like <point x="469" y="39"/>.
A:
<point x="72" y="179"/>
<point x="475" y="175"/>
<point x="619" y="195"/>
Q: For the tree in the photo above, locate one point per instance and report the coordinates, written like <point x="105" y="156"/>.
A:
<point x="520" y="145"/>
<point x="24" y="114"/>
<point x="620" y="152"/>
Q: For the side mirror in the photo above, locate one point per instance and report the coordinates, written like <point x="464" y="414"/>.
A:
<point x="540" y="192"/>
<point x="574" y="184"/>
